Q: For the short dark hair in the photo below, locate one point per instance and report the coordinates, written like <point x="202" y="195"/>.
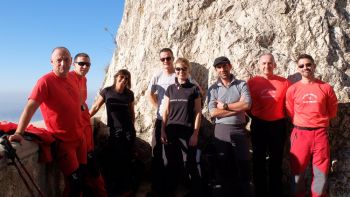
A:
<point x="306" y="56"/>
<point x="80" y="55"/>
<point x="125" y="73"/>
<point x="166" y="50"/>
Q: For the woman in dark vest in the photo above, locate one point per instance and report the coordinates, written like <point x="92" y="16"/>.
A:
<point x="180" y="127"/>
<point x="117" y="155"/>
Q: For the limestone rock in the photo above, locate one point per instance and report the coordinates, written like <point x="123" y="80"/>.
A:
<point x="241" y="30"/>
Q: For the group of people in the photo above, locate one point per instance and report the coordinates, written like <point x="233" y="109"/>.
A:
<point x="269" y="100"/>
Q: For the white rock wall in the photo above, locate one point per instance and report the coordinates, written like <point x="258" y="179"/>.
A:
<point x="241" y="30"/>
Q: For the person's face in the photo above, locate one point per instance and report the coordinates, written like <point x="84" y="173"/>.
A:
<point x="223" y="71"/>
<point x="181" y="71"/>
<point x="61" y="62"/>
<point x="82" y="65"/>
<point x="306" y="68"/>
<point x="267" y="65"/>
<point x="121" y="80"/>
<point x="167" y="59"/>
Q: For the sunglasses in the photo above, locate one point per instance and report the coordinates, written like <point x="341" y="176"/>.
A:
<point x="305" y="65"/>
<point x="84" y="63"/>
<point x="165" y="58"/>
<point x="184" y="69"/>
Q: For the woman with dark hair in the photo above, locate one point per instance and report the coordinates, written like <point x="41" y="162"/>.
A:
<point x="117" y="155"/>
<point x="180" y="128"/>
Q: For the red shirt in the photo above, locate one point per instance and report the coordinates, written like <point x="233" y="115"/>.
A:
<point x="87" y="127"/>
<point x="268" y="97"/>
<point x="311" y="105"/>
<point x="59" y="104"/>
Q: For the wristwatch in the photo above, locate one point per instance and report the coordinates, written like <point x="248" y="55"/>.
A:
<point x="225" y="106"/>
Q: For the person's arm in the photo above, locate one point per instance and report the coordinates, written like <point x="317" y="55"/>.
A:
<point x="132" y="110"/>
<point x="152" y="97"/>
<point x="233" y="108"/>
<point x="289" y="104"/>
<point x="197" y="122"/>
<point x="165" y="120"/>
<point x="96" y="106"/>
<point x="24" y="120"/>
<point x="332" y="104"/>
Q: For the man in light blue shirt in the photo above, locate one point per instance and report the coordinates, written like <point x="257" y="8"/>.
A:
<point x="229" y="98"/>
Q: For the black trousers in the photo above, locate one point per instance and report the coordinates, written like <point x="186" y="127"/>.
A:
<point x="116" y="166"/>
<point x="180" y="168"/>
<point x="268" y="139"/>
<point x="157" y="165"/>
<point x="231" y="171"/>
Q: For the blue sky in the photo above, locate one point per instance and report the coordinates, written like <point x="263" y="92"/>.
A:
<point x="29" y="30"/>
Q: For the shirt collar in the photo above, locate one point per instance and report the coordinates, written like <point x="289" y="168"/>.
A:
<point x="219" y="83"/>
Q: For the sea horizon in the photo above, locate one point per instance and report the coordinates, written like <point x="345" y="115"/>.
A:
<point x="11" y="107"/>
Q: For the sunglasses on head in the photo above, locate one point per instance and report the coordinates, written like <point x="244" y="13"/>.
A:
<point x="305" y="65"/>
<point x="184" y="69"/>
<point x="165" y="58"/>
<point x="83" y="63"/>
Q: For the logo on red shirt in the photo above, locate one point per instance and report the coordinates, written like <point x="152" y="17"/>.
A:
<point x="268" y="93"/>
<point x="309" y="98"/>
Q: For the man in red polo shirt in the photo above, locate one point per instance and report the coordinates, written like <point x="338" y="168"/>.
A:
<point x="268" y="127"/>
<point x="93" y="184"/>
<point x="310" y="103"/>
<point x="57" y="94"/>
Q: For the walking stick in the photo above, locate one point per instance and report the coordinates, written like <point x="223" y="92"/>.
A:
<point x="11" y="154"/>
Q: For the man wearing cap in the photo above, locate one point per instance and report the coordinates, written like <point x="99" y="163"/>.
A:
<point x="229" y="98"/>
<point x="310" y="103"/>
<point x="268" y="127"/>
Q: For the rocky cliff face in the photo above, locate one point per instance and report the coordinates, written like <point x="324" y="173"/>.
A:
<point x="241" y="30"/>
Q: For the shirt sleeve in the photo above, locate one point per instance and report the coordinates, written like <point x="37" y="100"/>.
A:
<point x="152" y="84"/>
<point x="332" y="103"/>
<point x="167" y="91"/>
<point x="290" y="103"/>
<point x="246" y="94"/>
<point x="103" y="93"/>
<point x="212" y="98"/>
<point x="40" y="91"/>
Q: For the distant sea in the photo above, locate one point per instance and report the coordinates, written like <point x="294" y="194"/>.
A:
<point x="12" y="105"/>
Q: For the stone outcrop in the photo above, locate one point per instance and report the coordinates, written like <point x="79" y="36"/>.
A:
<point x="241" y="30"/>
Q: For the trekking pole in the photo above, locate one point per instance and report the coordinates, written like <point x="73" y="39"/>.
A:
<point x="11" y="154"/>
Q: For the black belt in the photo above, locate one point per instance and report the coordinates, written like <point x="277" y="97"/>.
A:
<point x="308" y="128"/>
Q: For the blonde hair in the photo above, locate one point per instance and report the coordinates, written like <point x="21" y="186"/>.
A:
<point x="183" y="61"/>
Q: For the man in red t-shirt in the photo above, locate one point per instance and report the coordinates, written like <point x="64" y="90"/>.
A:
<point x="93" y="182"/>
<point x="57" y="94"/>
<point x="310" y="103"/>
<point x="268" y="127"/>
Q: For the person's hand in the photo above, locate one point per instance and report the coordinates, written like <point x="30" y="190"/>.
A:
<point x="16" y="138"/>
<point x="219" y="105"/>
<point x="163" y="137"/>
<point x="193" y="140"/>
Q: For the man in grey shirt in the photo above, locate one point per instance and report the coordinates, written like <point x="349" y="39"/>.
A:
<point x="229" y="98"/>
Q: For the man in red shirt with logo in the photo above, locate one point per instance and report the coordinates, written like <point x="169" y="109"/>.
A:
<point x="268" y="127"/>
<point x="93" y="182"/>
<point x="310" y="103"/>
<point x="57" y="94"/>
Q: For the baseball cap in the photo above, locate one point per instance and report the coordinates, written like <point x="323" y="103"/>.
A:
<point x="221" y="60"/>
